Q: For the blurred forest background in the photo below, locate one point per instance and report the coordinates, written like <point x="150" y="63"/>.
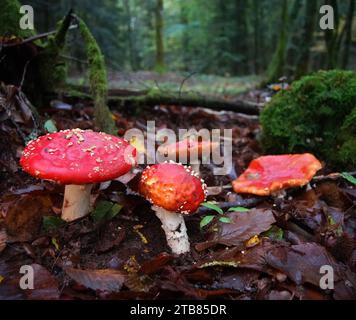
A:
<point x="221" y="37"/>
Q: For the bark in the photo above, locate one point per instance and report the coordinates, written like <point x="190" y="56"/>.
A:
<point x="276" y="67"/>
<point x="332" y="36"/>
<point x="159" y="36"/>
<point x="302" y="67"/>
<point x="187" y="100"/>
<point x="348" y="35"/>
<point x="240" y="41"/>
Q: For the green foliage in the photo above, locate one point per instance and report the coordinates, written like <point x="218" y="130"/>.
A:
<point x="349" y="177"/>
<point x="206" y="220"/>
<point x="308" y="118"/>
<point x="238" y="209"/>
<point x="98" y="81"/>
<point x="10" y="17"/>
<point x="49" y="126"/>
<point x="105" y="210"/>
<point x="52" y="222"/>
<point x="50" y="66"/>
<point x="274" y="233"/>
<point x="212" y="206"/>
<point x="221" y="217"/>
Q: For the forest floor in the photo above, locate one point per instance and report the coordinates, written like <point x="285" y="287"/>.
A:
<point x="126" y="257"/>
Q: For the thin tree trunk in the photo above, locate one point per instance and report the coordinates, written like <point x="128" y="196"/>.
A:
<point x="307" y="38"/>
<point x="331" y="37"/>
<point x="185" y="38"/>
<point x="276" y="67"/>
<point x="256" y="35"/>
<point x="348" y="37"/>
<point x="132" y="49"/>
<point x="159" y="35"/>
<point x="240" y="45"/>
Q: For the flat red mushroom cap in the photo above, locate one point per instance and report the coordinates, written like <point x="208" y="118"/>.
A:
<point x="188" y="146"/>
<point x="268" y="174"/>
<point x="173" y="187"/>
<point x="78" y="157"/>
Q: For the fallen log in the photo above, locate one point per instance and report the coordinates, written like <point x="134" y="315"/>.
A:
<point x="127" y="98"/>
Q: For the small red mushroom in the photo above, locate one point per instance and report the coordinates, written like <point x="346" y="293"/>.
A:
<point x="194" y="150"/>
<point x="174" y="190"/>
<point x="77" y="158"/>
<point x="268" y="174"/>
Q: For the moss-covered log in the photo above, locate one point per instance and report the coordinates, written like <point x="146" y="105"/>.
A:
<point x="124" y="98"/>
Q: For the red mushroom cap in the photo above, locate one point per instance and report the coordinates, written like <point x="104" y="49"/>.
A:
<point x="267" y="174"/>
<point x="188" y="146"/>
<point x="173" y="187"/>
<point x="78" y="157"/>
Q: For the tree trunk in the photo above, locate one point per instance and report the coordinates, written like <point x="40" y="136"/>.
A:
<point x="276" y="67"/>
<point x="185" y="37"/>
<point x="256" y="35"/>
<point x="240" y="45"/>
<point x="348" y="36"/>
<point x="307" y="38"/>
<point x="132" y="49"/>
<point x="331" y="37"/>
<point x="294" y="39"/>
<point x="159" y="36"/>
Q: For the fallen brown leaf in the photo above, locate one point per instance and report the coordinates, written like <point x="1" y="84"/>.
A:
<point x="104" y="279"/>
<point x="23" y="216"/>
<point x="244" y="226"/>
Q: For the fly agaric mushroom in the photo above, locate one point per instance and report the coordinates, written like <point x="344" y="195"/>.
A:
<point x="78" y="158"/>
<point x="175" y="191"/>
<point x="191" y="148"/>
<point x="268" y="174"/>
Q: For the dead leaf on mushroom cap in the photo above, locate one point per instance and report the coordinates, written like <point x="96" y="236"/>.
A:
<point x="268" y="174"/>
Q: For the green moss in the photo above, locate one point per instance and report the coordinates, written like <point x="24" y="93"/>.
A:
<point x="10" y="17"/>
<point x="53" y="67"/>
<point x="98" y="81"/>
<point x="317" y="115"/>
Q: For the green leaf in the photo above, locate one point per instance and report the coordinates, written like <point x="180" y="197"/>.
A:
<point x="225" y="220"/>
<point x="115" y="209"/>
<point x="212" y="206"/>
<point x="238" y="209"/>
<point x="55" y="243"/>
<point x="50" y="126"/>
<point x="206" y="220"/>
<point x="349" y="177"/>
<point x="51" y="222"/>
<point x="105" y="210"/>
<point x="274" y="233"/>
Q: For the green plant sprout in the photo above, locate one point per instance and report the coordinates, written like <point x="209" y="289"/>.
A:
<point x="221" y="215"/>
<point x="349" y="177"/>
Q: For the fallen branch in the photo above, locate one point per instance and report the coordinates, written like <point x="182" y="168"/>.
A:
<point x="187" y="100"/>
<point x="332" y="176"/>
<point x="126" y="98"/>
<point x="34" y="38"/>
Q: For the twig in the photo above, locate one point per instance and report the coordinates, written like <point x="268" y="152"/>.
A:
<point x="74" y="59"/>
<point x="184" y="80"/>
<point x="36" y="37"/>
<point x="332" y="176"/>
<point x="24" y="73"/>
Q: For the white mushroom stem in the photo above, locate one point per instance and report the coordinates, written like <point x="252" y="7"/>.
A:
<point x="175" y="230"/>
<point x="76" y="202"/>
<point x="196" y="167"/>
